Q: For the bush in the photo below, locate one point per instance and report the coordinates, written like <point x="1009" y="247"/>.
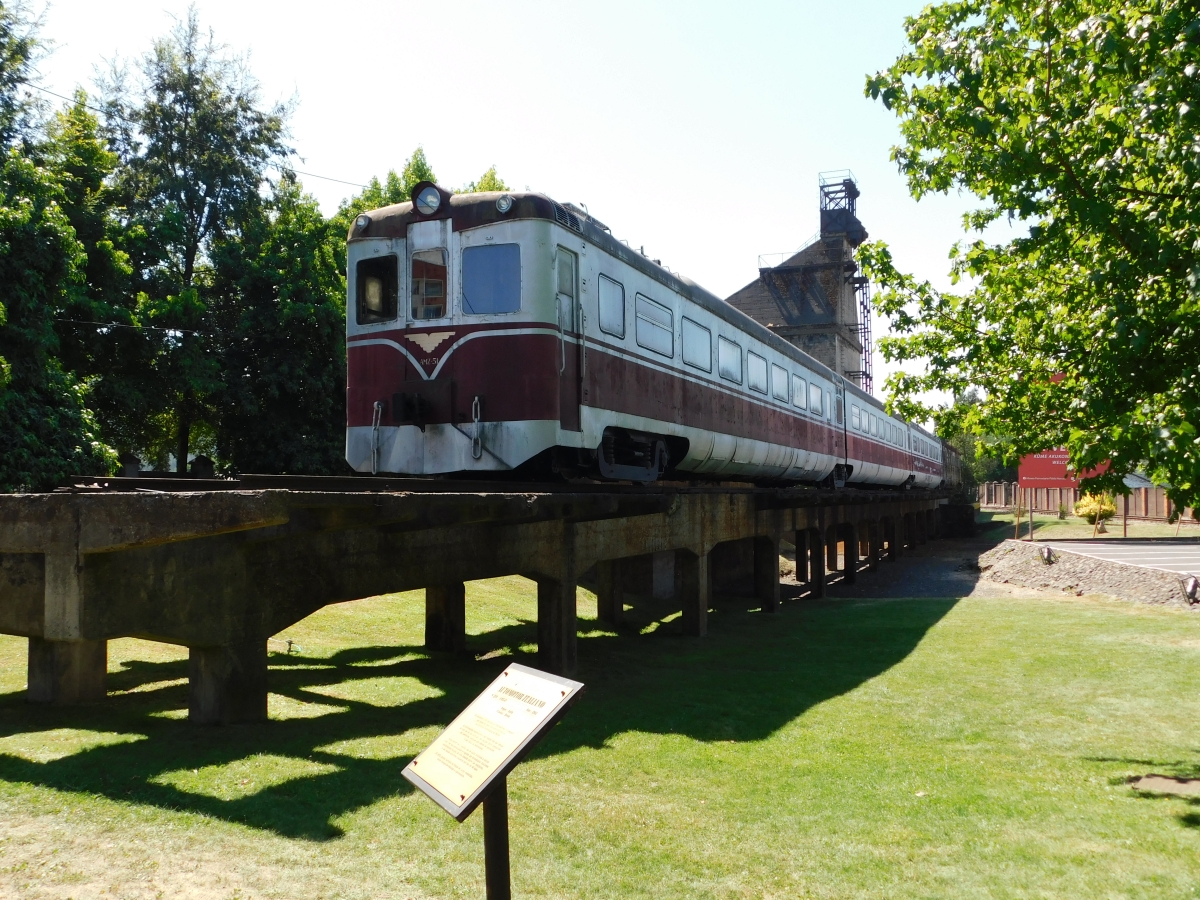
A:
<point x="1093" y="506"/>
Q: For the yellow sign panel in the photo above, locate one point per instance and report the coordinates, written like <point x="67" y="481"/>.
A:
<point x="487" y="734"/>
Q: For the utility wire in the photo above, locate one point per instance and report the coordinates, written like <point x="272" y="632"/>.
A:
<point x="134" y="327"/>
<point x="110" y="113"/>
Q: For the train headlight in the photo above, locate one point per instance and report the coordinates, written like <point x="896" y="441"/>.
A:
<point x="362" y="222"/>
<point x="504" y="203"/>
<point x="429" y="200"/>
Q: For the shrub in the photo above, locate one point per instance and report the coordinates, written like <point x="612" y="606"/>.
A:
<point x="1093" y="506"/>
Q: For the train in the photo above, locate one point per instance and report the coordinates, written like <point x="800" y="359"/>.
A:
<point x="494" y="334"/>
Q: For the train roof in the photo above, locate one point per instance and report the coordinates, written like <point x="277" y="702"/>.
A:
<point x="475" y="210"/>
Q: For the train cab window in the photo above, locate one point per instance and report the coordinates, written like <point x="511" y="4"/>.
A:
<point x="816" y="400"/>
<point x="491" y="279"/>
<point x="654" y="326"/>
<point x="799" y="392"/>
<point x="756" y="373"/>
<point x="779" y="383"/>
<point x="612" y="307"/>
<point x="697" y="345"/>
<point x="428" y="284"/>
<point x="377" y="289"/>
<point x="729" y="360"/>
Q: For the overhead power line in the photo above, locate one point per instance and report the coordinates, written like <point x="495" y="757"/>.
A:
<point x="280" y="167"/>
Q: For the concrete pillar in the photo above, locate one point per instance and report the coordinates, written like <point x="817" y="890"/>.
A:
<point x="663" y="584"/>
<point x="816" y="562"/>
<point x="610" y="594"/>
<point x="446" y="617"/>
<point x="889" y="532"/>
<point x="695" y="591"/>
<point x="66" y="672"/>
<point x="922" y="527"/>
<point x="228" y="685"/>
<point x="850" y="555"/>
<point x="766" y="572"/>
<point x="801" y="539"/>
<point x="873" y="530"/>
<point x="831" y="545"/>
<point x="558" y="650"/>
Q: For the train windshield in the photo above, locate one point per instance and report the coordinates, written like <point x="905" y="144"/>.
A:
<point x="428" y="284"/>
<point x="491" y="279"/>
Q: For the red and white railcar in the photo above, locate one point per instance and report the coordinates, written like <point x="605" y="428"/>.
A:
<point x="493" y="332"/>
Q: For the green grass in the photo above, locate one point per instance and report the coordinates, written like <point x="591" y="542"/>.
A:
<point x="1048" y="526"/>
<point x="913" y="748"/>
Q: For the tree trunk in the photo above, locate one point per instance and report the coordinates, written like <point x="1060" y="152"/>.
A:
<point x="181" y="447"/>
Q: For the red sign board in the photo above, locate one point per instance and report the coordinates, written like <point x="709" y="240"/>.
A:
<point x="1048" y="469"/>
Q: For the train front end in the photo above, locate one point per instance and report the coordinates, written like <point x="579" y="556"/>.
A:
<point x="454" y="354"/>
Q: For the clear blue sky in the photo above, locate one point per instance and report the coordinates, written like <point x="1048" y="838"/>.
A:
<point x="694" y="129"/>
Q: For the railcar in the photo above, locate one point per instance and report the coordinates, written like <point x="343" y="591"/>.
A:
<point x="505" y="332"/>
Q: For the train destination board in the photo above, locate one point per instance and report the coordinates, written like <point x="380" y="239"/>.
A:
<point x="490" y="737"/>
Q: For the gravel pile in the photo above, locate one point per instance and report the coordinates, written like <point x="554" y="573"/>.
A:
<point x="1021" y="563"/>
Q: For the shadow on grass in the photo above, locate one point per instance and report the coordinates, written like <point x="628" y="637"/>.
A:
<point x="753" y="674"/>
<point x="1179" y="769"/>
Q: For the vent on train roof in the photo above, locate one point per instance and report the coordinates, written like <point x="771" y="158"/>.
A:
<point x="566" y="217"/>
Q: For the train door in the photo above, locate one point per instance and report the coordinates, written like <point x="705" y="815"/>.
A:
<point x="569" y="318"/>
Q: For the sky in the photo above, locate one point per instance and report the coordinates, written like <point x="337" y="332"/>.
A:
<point x="696" y="130"/>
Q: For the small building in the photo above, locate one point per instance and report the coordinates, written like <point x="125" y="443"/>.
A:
<point x="816" y="298"/>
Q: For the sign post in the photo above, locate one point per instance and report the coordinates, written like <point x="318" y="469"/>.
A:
<point x="468" y="763"/>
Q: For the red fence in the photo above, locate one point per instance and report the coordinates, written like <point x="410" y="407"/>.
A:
<point x="1144" y="504"/>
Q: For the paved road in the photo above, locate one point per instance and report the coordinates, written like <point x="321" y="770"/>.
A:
<point x="1174" y="556"/>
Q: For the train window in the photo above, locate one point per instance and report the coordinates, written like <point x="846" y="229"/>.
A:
<point x="429" y="284"/>
<point x="779" y="383"/>
<point x="729" y="360"/>
<point x="697" y="345"/>
<point x="612" y="307"/>
<point x="756" y="373"/>
<point x="377" y="289"/>
<point x="491" y="279"/>
<point x="855" y="418"/>
<point x="799" y="392"/>
<point x="874" y="426"/>
<point x="564" y="262"/>
<point x="816" y="399"/>
<point x="655" y="329"/>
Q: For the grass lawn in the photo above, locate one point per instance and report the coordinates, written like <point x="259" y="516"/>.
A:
<point x="978" y="747"/>
<point x="1047" y="527"/>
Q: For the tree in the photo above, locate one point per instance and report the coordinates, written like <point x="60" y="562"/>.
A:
<point x="488" y="181"/>
<point x="194" y="148"/>
<point x="46" y="433"/>
<point x="1077" y="119"/>
<point x="394" y="189"/>
<point x="279" y="303"/>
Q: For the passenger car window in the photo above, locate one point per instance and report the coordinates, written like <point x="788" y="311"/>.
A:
<point x="491" y="279"/>
<point x="697" y="345"/>
<point x="779" y="383"/>
<point x="612" y="307"/>
<point x="729" y="360"/>
<point x="799" y="392"/>
<point x="654" y="327"/>
<point x="756" y="373"/>
<point x="855" y="418"/>
<point x="377" y="289"/>
<point x="816" y="401"/>
<point x="429" y="284"/>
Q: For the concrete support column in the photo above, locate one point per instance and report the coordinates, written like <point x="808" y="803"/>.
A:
<point x="873" y="540"/>
<point x="66" y="672"/>
<point x="663" y="575"/>
<point x="831" y="545"/>
<point x="228" y="685"/>
<point x="801" y="539"/>
<point x="922" y="527"/>
<point x="816" y="562"/>
<point x="695" y="590"/>
<point x="446" y="617"/>
<point x="889" y="532"/>
<point x="766" y="572"/>
<point x="558" y="649"/>
<point x="850" y="555"/>
<point x="610" y="594"/>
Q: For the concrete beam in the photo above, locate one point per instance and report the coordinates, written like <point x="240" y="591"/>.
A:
<point x="66" y="672"/>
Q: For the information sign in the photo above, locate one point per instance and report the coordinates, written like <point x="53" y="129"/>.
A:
<point x="488" y="738"/>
